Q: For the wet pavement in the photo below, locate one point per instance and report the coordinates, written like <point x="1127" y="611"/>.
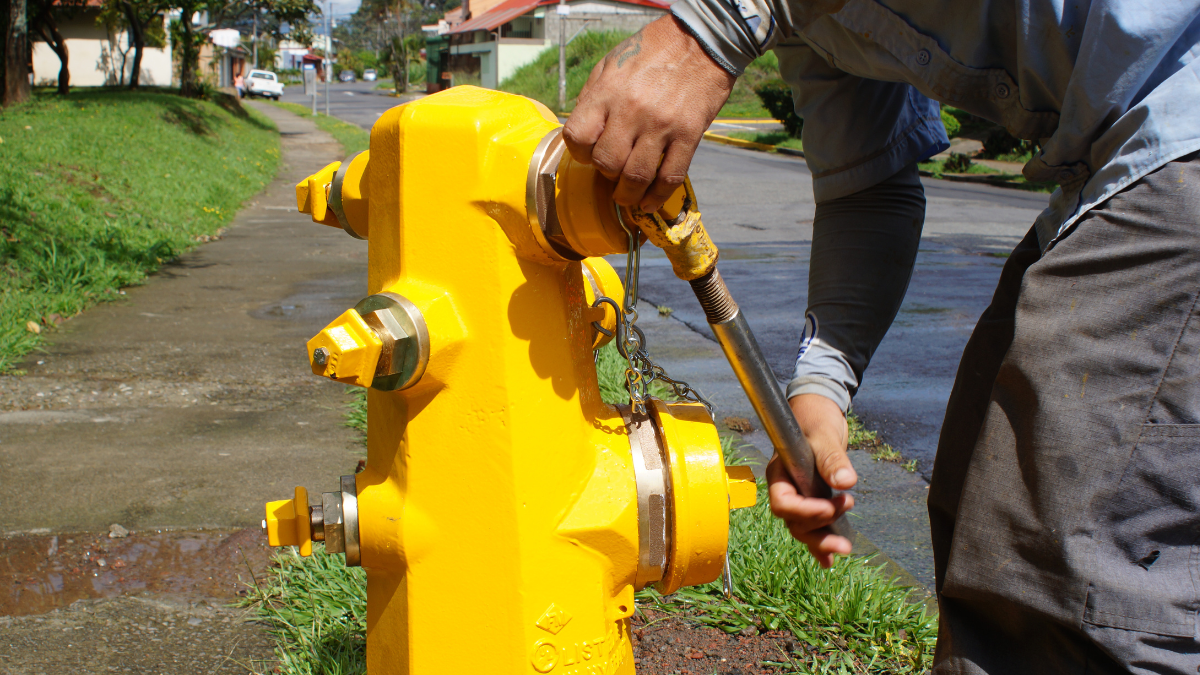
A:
<point x="52" y="571"/>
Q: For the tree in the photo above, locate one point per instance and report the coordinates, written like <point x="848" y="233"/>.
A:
<point x="16" y="53"/>
<point x="46" y="16"/>
<point x="187" y="40"/>
<point x="143" y="19"/>
<point x="230" y="13"/>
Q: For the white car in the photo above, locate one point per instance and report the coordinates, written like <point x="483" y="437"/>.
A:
<point x="263" y="83"/>
<point x="369" y="75"/>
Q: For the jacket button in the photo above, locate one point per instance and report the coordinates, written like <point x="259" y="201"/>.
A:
<point x="923" y="57"/>
<point x="1002" y="90"/>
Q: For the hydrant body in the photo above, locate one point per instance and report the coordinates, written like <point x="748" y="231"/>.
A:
<point x="506" y="515"/>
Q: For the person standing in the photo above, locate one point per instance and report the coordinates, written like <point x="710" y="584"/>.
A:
<point x="240" y="85"/>
<point x="1065" y="498"/>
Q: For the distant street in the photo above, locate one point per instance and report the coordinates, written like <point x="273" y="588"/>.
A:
<point x="355" y="102"/>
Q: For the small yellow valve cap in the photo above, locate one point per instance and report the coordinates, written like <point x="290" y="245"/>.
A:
<point x="743" y="491"/>
<point x="346" y="350"/>
<point x="287" y="522"/>
<point x="312" y="196"/>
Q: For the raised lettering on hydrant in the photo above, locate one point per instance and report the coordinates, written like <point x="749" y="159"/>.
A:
<point x="503" y="504"/>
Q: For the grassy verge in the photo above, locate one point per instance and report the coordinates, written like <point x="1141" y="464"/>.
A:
<point x="100" y="188"/>
<point x="352" y="137"/>
<point x="539" y="79"/>
<point x="850" y="618"/>
<point x="862" y="438"/>
<point x="780" y="138"/>
<point x="937" y="169"/>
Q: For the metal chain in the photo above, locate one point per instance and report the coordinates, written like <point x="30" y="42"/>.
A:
<point x="640" y="370"/>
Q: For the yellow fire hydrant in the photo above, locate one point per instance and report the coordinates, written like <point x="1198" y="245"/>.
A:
<point x="506" y="515"/>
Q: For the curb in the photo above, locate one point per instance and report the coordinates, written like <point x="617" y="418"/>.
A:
<point x="750" y="145"/>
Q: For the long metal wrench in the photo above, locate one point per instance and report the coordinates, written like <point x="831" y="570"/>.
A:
<point x="744" y="355"/>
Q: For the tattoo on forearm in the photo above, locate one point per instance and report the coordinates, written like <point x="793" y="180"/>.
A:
<point x="632" y="46"/>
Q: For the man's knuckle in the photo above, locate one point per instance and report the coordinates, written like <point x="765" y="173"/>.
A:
<point x="637" y="176"/>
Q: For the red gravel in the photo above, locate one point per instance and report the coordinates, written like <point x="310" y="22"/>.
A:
<point x="666" y="644"/>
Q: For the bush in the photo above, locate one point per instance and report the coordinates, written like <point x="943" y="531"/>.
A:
<point x="1000" y="144"/>
<point x="953" y="126"/>
<point x="776" y="97"/>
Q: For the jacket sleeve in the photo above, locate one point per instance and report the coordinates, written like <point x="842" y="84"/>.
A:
<point x="863" y="251"/>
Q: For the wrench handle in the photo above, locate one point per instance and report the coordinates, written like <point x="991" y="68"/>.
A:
<point x="744" y="355"/>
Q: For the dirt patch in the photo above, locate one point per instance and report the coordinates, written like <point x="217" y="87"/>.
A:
<point x="668" y="645"/>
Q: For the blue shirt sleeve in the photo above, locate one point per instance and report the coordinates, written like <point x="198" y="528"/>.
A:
<point x="857" y="132"/>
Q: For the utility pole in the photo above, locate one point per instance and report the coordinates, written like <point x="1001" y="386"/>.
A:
<point x="328" y="49"/>
<point x="563" y="11"/>
<point x="254" y="38"/>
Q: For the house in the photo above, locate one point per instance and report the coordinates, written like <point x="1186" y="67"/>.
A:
<point x="220" y="64"/>
<point x="498" y="39"/>
<point x="98" y="55"/>
<point x="222" y="57"/>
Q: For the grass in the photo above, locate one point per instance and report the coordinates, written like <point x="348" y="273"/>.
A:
<point x="352" y="137"/>
<point x="316" y="609"/>
<point x="862" y="438"/>
<point x="847" y="619"/>
<point x="102" y="187"/>
<point x="937" y="169"/>
<point x="779" y="138"/>
<point x="850" y="618"/>
<point x="539" y="79"/>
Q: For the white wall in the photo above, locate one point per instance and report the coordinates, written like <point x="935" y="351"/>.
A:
<point x="513" y="56"/>
<point x="95" y="60"/>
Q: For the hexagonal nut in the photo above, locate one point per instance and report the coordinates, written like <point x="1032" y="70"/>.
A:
<point x="347" y="350"/>
<point x="401" y="327"/>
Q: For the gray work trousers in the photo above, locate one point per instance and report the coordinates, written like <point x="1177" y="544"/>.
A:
<point x="1065" y="501"/>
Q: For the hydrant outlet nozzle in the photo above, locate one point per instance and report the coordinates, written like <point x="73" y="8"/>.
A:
<point x="293" y="522"/>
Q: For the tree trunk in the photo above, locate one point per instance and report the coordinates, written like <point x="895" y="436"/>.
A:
<point x="47" y="27"/>
<point x="189" y="55"/>
<point x="139" y="43"/>
<point x="16" y="55"/>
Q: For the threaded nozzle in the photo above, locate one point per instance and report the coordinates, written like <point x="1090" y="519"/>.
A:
<point x="714" y="297"/>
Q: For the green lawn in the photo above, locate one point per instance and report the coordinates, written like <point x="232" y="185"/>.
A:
<point x="850" y="618"/>
<point x="354" y="139"/>
<point x="100" y="188"/>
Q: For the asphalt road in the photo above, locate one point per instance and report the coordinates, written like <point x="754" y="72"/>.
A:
<point x="759" y="208"/>
<point x="355" y="102"/>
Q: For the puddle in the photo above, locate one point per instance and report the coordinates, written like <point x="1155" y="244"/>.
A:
<point x="44" y="572"/>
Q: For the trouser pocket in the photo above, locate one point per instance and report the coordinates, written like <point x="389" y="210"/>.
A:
<point x="1147" y="559"/>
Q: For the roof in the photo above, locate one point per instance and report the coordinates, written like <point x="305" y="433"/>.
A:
<point x="511" y="9"/>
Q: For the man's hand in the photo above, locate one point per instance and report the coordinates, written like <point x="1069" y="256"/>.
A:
<point x="807" y="518"/>
<point x="649" y="101"/>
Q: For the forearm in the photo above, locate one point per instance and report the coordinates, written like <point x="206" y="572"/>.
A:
<point x="863" y="251"/>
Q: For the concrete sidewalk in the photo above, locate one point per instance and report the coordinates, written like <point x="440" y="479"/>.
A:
<point x="185" y="406"/>
<point x="190" y="403"/>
